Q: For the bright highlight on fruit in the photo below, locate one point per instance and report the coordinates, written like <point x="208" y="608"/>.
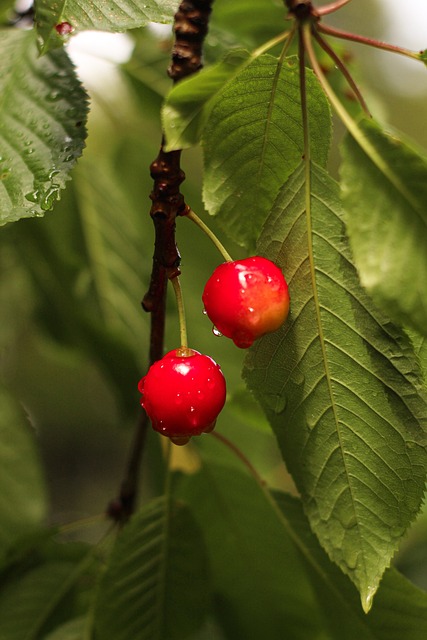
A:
<point x="183" y="393"/>
<point x="246" y="299"/>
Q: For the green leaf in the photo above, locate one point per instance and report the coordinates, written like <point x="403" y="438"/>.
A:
<point x="342" y="389"/>
<point x="399" y="611"/>
<point x="6" y="9"/>
<point x="420" y="348"/>
<point x="304" y="595"/>
<point x="99" y="15"/>
<point x="187" y="107"/>
<point x="254" y="140"/>
<point x="72" y="630"/>
<point x="23" y="500"/>
<point x="43" y="110"/>
<point x="384" y="190"/>
<point x="258" y="579"/>
<point x="155" y="585"/>
<point x="114" y="248"/>
<point x="89" y="291"/>
<point x="210" y="631"/>
<point x="422" y="354"/>
<point x="26" y="604"/>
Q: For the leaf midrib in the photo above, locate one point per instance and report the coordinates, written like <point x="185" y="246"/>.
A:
<point x="308" y="198"/>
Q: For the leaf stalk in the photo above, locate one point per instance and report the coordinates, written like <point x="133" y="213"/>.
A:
<point x="341" y="66"/>
<point x="371" y="42"/>
<point x="331" y="8"/>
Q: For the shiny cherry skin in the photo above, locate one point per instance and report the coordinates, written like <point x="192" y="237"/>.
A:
<point x="246" y="299"/>
<point x="183" y="393"/>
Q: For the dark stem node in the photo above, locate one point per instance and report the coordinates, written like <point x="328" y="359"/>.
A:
<point x="167" y="203"/>
<point x="190" y="29"/>
<point x="302" y="10"/>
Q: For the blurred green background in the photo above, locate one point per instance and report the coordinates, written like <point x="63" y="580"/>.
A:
<point x="73" y="337"/>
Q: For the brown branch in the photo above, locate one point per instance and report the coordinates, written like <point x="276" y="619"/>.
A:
<point x="168" y="202"/>
<point x="190" y="28"/>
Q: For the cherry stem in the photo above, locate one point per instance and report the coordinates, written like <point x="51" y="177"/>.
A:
<point x="353" y="37"/>
<point x="272" y="43"/>
<point x="331" y="8"/>
<point x="345" y="117"/>
<point x="350" y="124"/>
<point x="181" y="311"/>
<point x="237" y="452"/>
<point x="204" y="227"/>
<point x="346" y="73"/>
<point x="299" y="541"/>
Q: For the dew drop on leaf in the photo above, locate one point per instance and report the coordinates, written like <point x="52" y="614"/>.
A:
<point x="48" y="198"/>
<point x="276" y="402"/>
<point x="348" y="520"/>
<point x="352" y="559"/>
<point x="33" y="196"/>
<point x="367" y="601"/>
<point x="53" y="96"/>
<point x="298" y="378"/>
<point x="397" y="531"/>
<point x="311" y="422"/>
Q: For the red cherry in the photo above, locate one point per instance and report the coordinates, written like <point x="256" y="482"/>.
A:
<point x="183" y="393"/>
<point x="246" y="299"/>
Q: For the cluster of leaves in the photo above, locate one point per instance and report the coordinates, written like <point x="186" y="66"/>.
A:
<point x="218" y="553"/>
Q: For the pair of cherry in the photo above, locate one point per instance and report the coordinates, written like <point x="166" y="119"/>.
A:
<point x="184" y="392"/>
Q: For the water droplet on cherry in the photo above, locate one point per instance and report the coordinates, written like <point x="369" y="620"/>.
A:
<point x="180" y="440"/>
